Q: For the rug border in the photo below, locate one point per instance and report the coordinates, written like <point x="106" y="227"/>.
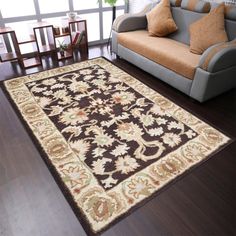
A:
<point x="78" y="213"/>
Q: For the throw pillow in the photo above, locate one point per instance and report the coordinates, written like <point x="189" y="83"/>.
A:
<point x="160" y="20"/>
<point x="207" y="31"/>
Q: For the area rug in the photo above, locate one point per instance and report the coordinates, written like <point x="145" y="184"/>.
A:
<point x="110" y="141"/>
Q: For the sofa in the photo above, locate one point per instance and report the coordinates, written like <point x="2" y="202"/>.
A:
<point x="169" y="59"/>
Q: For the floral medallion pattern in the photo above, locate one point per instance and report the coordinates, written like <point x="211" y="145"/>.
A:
<point x="112" y="140"/>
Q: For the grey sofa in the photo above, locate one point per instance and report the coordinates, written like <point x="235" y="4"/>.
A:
<point x="207" y="81"/>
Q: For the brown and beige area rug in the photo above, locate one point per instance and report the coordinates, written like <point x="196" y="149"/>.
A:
<point x="110" y="141"/>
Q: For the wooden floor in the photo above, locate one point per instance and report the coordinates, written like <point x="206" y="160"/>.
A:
<point x="202" y="203"/>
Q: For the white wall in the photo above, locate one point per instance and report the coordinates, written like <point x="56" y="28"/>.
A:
<point x="138" y="5"/>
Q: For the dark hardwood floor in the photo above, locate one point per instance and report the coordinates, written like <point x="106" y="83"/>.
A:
<point x="202" y="203"/>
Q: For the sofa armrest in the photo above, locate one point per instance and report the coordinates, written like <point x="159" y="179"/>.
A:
<point x="219" y="57"/>
<point x="129" y="22"/>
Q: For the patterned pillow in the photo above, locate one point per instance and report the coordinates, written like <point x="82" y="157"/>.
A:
<point x="160" y="20"/>
<point x="196" y="5"/>
<point x="207" y="31"/>
<point x="175" y="3"/>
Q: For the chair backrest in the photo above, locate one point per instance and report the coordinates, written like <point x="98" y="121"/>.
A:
<point x="184" y="18"/>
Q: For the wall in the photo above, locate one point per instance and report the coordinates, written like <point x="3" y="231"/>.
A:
<point x="138" y="5"/>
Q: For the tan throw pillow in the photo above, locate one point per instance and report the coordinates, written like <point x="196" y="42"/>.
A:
<point x="160" y="20"/>
<point x="207" y="31"/>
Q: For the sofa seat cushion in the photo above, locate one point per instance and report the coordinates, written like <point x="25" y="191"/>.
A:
<point x="167" y="52"/>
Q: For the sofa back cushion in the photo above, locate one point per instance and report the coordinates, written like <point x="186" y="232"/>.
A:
<point x="230" y="12"/>
<point x="196" y="5"/>
<point x="184" y="18"/>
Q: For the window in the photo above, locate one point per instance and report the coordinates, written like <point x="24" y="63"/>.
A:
<point x="107" y="21"/>
<point x="50" y="7"/>
<point x="119" y="3"/>
<point x="98" y="15"/>
<point x="13" y="8"/>
<point x="85" y="4"/>
<point x="93" y="26"/>
<point x="23" y="29"/>
<point x="55" y="21"/>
